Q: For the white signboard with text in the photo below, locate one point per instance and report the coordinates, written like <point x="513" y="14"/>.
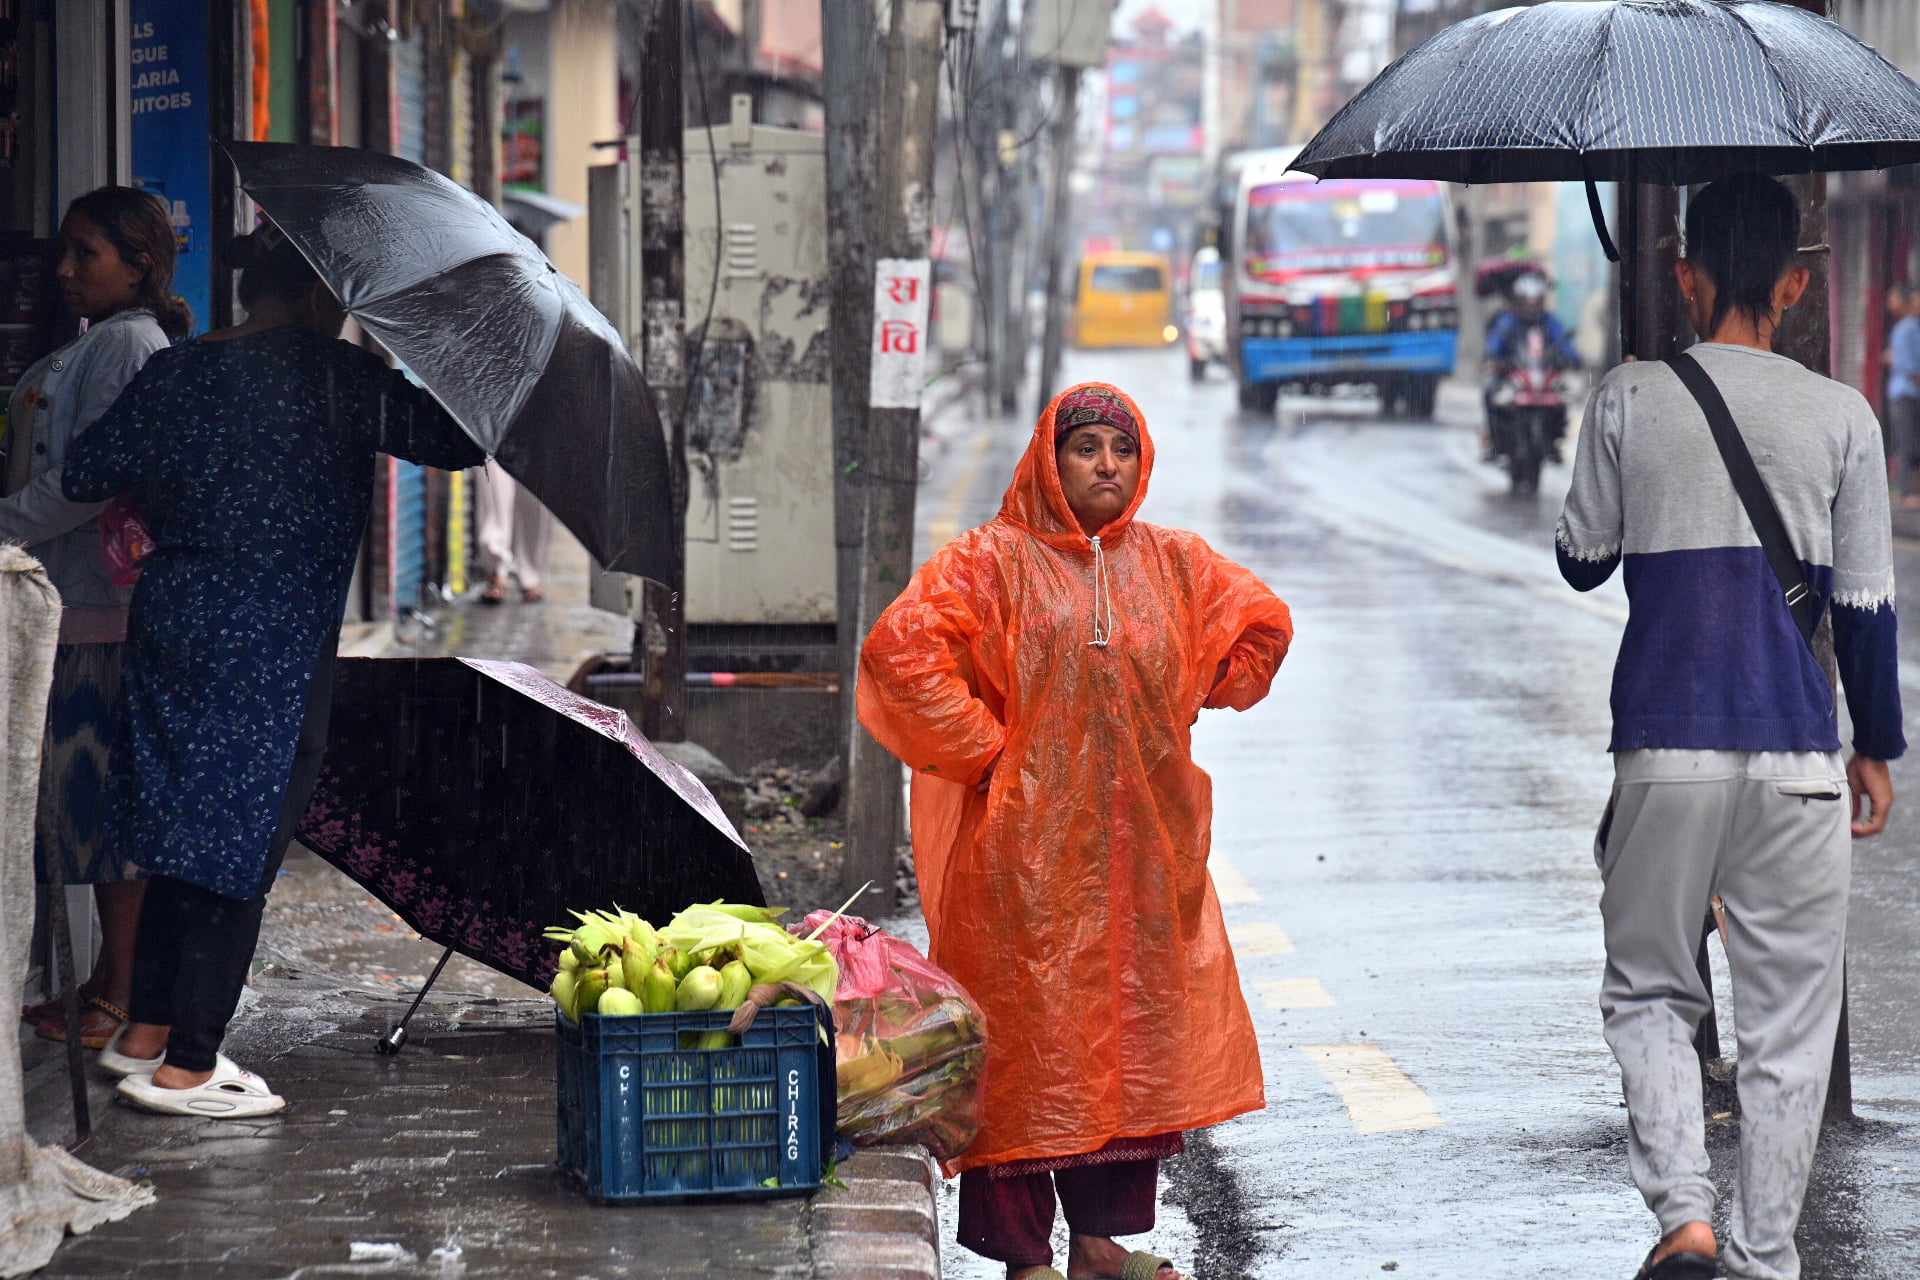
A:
<point x="902" y="297"/>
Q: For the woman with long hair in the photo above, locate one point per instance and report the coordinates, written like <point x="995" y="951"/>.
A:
<point x="115" y="271"/>
<point x="250" y="453"/>
<point x="1041" y="676"/>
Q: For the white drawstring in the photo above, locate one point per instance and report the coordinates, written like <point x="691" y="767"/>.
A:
<point x="1102" y="634"/>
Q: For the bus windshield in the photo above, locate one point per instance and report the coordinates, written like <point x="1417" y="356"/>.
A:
<point x="1345" y="226"/>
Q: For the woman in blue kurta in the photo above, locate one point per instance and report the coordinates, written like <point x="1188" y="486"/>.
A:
<point x="250" y="454"/>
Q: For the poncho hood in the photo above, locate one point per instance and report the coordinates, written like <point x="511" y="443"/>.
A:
<point x="1037" y="503"/>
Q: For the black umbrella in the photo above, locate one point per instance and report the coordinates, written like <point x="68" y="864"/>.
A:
<point x="511" y="347"/>
<point x="1673" y="91"/>
<point x="1667" y="91"/>
<point x="482" y="801"/>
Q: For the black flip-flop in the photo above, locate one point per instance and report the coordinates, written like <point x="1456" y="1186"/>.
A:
<point x="1678" y="1266"/>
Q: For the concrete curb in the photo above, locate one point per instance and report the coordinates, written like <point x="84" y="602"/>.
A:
<point x="885" y="1225"/>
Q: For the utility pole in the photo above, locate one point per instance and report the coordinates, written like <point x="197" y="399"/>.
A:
<point x="906" y="117"/>
<point x="661" y="128"/>
<point x="1072" y="35"/>
<point x="1060" y="212"/>
<point x="1649" y="292"/>
<point x="851" y="55"/>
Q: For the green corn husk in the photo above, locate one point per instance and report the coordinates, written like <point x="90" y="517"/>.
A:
<point x="657" y="988"/>
<point x="679" y="961"/>
<point x="616" y="973"/>
<point x="770" y="953"/>
<point x="699" y="990"/>
<point x="618" y="1002"/>
<point x="642" y="934"/>
<point x="569" y="961"/>
<point x="593" y="939"/>
<point x="635" y="961"/>
<point x="587" y="992"/>
<point x="562" y="991"/>
<point x="757" y="915"/>
<point x="735" y="982"/>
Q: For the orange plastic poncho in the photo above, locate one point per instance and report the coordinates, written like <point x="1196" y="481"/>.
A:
<point x="1072" y="900"/>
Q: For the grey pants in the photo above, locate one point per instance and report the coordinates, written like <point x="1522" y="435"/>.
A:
<point x="1769" y="834"/>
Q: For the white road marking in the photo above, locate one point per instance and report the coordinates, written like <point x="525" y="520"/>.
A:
<point x="1380" y="1097"/>
<point x="1259" y="938"/>
<point x="1234" y="888"/>
<point x="1280" y="994"/>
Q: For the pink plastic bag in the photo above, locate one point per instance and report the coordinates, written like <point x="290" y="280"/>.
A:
<point x="910" y="1043"/>
<point x="125" y="540"/>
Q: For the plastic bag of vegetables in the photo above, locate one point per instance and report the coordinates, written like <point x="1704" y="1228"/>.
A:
<point x="910" y="1043"/>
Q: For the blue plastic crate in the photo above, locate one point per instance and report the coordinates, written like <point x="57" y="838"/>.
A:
<point x="642" y="1119"/>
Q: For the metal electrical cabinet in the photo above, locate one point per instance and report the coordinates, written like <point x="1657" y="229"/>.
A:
<point x="760" y="550"/>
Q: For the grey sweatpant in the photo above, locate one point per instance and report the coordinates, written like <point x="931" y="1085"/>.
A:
<point x="1769" y="834"/>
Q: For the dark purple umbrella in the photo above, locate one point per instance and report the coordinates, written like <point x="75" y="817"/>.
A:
<point x="482" y="801"/>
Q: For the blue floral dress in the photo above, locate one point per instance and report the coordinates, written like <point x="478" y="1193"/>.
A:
<point x="252" y="462"/>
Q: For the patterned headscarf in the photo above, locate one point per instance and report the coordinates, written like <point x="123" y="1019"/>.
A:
<point x="1094" y="403"/>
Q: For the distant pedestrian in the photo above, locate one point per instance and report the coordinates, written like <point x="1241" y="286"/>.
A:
<point x="515" y="534"/>
<point x="1041" y="676"/>
<point x="115" y="270"/>
<point x="1728" y="777"/>
<point x="1903" y="391"/>
<point x="250" y="453"/>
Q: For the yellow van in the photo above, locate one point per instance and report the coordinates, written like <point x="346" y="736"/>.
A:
<point x="1124" y="300"/>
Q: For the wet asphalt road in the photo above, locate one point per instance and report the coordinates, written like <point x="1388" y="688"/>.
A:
<point x="1403" y="845"/>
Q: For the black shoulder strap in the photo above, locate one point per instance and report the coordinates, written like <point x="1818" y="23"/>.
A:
<point x="1772" y="530"/>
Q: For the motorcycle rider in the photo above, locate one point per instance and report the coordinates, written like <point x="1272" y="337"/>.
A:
<point x="1526" y="311"/>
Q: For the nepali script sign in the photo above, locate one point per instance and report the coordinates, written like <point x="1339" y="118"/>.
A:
<point x="902" y="297"/>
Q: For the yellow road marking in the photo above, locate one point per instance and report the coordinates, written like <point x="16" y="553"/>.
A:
<point x="1233" y="888"/>
<point x="1294" y="993"/>
<point x="1380" y="1097"/>
<point x="944" y="527"/>
<point x="1258" y="938"/>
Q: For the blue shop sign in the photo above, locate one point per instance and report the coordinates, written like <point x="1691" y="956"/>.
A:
<point x="171" y="101"/>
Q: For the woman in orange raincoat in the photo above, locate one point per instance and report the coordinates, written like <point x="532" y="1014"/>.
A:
<point x="1041" y="676"/>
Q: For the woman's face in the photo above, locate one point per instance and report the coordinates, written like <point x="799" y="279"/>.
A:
<point x="94" y="279"/>
<point x="1100" y="472"/>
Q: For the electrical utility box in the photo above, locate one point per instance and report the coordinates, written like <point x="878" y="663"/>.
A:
<point x="1069" y="33"/>
<point x="760" y="537"/>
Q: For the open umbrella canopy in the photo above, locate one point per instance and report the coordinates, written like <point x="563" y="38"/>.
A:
<point x="511" y="347"/>
<point x="1671" y="91"/>
<point x="481" y="801"/>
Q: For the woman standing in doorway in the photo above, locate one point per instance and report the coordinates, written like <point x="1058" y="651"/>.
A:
<point x="115" y="271"/>
<point x="1041" y="676"/>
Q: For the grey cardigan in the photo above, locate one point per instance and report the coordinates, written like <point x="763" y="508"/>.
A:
<point x="78" y="383"/>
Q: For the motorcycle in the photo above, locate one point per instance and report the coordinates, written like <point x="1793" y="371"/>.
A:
<point x="1530" y="408"/>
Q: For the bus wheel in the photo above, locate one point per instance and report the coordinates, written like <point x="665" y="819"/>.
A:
<point x="1395" y="397"/>
<point x="1423" y="393"/>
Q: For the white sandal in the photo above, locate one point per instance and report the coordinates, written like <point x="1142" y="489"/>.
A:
<point x="231" y="1094"/>
<point x="114" y="1062"/>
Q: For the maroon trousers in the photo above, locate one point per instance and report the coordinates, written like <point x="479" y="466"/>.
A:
<point x="1010" y="1219"/>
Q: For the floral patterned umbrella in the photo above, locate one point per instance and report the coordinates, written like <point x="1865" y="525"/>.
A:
<point x="481" y="801"/>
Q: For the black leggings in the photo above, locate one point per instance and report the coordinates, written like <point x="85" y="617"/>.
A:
<point x="195" y="945"/>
